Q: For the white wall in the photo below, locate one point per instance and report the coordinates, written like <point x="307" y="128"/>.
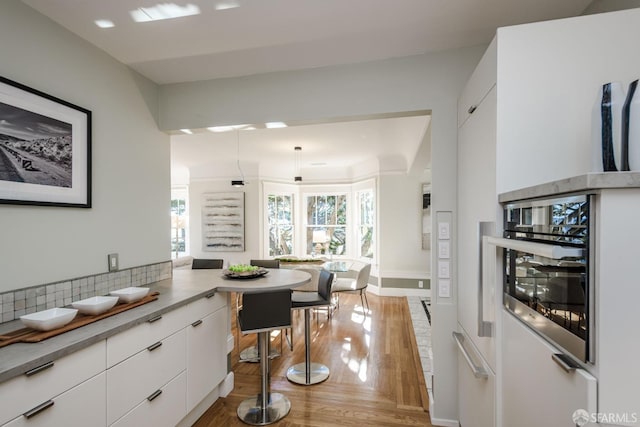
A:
<point x="131" y="184"/>
<point x="400" y="227"/>
<point x="555" y="68"/>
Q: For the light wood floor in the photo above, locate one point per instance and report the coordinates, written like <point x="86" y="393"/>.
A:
<point x="376" y="378"/>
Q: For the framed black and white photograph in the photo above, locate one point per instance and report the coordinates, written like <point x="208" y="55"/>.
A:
<point x="45" y="149"/>
<point x="223" y="222"/>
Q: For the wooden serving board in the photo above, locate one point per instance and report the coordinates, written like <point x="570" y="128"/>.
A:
<point x="28" y="335"/>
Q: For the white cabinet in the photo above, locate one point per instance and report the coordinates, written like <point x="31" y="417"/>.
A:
<point x="477" y="393"/>
<point x="538" y="391"/>
<point x="81" y="406"/>
<point x="477" y="203"/>
<point x="139" y="376"/>
<point x="206" y="354"/>
<point x="164" y="408"/>
<point x="51" y="379"/>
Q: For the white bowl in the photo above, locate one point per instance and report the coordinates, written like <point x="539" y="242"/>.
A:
<point x="47" y="320"/>
<point x="95" y="305"/>
<point x="131" y="294"/>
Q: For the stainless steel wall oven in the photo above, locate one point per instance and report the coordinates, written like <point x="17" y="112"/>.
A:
<point x="547" y="269"/>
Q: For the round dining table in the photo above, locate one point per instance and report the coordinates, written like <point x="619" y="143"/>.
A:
<point x="266" y="407"/>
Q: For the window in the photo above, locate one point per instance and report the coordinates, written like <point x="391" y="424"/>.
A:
<point x="179" y="222"/>
<point x="281" y="224"/>
<point x="326" y="224"/>
<point x="366" y="222"/>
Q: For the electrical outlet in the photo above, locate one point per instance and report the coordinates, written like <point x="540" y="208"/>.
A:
<point x="420" y="284"/>
<point x="112" y="262"/>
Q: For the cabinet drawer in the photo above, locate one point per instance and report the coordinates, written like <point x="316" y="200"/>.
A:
<point x="532" y="373"/>
<point x="130" y="342"/>
<point x="37" y="386"/>
<point x="479" y="84"/>
<point x="131" y="381"/>
<point x="206" y="356"/>
<point x="159" y="409"/>
<point x="205" y="306"/>
<point x="82" y="406"/>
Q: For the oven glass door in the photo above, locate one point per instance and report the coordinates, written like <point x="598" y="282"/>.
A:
<point x="548" y="288"/>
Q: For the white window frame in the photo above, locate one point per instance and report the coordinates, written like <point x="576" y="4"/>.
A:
<point x="176" y="192"/>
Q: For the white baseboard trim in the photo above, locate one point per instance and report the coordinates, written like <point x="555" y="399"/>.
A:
<point x="399" y="292"/>
<point x="439" y="421"/>
<point x="444" y="423"/>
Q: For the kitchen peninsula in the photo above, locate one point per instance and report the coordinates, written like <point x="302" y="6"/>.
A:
<point x="135" y="356"/>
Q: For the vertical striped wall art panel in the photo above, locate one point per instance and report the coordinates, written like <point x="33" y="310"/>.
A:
<point x="223" y="222"/>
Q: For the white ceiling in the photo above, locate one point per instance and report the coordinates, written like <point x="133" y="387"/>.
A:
<point x="271" y="35"/>
<point x="262" y="36"/>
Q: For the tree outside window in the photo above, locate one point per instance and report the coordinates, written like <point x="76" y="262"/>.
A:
<point x="326" y="224"/>
<point x="366" y="222"/>
<point x="281" y="224"/>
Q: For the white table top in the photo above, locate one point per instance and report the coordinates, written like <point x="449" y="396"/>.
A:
<point x="276" y="279"/>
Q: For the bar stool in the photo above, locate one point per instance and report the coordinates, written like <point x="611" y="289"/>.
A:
<point x="262" y="313"/>
<point x="250" y="354"/>
<point x="308" y="373"/>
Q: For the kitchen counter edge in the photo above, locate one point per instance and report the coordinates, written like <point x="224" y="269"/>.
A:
<point x="587" y="182"/>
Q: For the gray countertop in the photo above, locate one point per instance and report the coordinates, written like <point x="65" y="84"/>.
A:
<point x="588" y="182"/>
<point x="184" y="287"/>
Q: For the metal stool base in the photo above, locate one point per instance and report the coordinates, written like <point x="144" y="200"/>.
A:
<point x="251" y="412"/>
<point x="298" y="374"/>
<point x="251" y="355"/>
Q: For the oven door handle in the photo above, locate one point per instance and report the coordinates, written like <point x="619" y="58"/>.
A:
<point x="485" y="229"/>
<point x="542" y="249"/>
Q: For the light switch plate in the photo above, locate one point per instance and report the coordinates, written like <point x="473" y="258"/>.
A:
<point x="444" y="231"/>
<point x="112" y="259"/>
<point x="444" y="288"/>
<point x="444" y="249"/>
<point x="444" y="270"/>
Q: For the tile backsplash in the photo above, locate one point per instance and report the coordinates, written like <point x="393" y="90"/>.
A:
<point x="19" y="302"/>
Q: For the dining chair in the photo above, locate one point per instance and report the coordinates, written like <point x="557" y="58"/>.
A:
<point x="308" y="373"/>
<point x="201" y="264"/>
<point x="359" y="284"/>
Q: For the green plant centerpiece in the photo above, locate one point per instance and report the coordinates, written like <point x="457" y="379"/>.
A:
<point x="243" y="269"/>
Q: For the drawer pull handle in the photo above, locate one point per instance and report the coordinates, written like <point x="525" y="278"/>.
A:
<point x="211" y="294"/>
<point x="154" y="395"/>
<point x="565" y="362"/>
<point x="472" y="109"/>
<point x="197" y="323"/>
<point x="154" y="346"/>
<point x="39" y="369"/>
<point x="155" y="318"/>
<point x="41" y="407"/>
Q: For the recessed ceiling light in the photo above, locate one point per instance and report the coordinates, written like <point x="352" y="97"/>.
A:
<point x="163" y="11"/>
<point x="187" y="131"/>
<point x="104" y="23"/>
<point x="275" y="125"/>
<point x="318" y="164"/>
<point x="226" y="128"/>
<point x="229" y="4"/>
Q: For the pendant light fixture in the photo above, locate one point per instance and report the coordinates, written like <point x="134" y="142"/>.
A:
<point x="239" y="182"/>
<point x="297" y="177"/>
